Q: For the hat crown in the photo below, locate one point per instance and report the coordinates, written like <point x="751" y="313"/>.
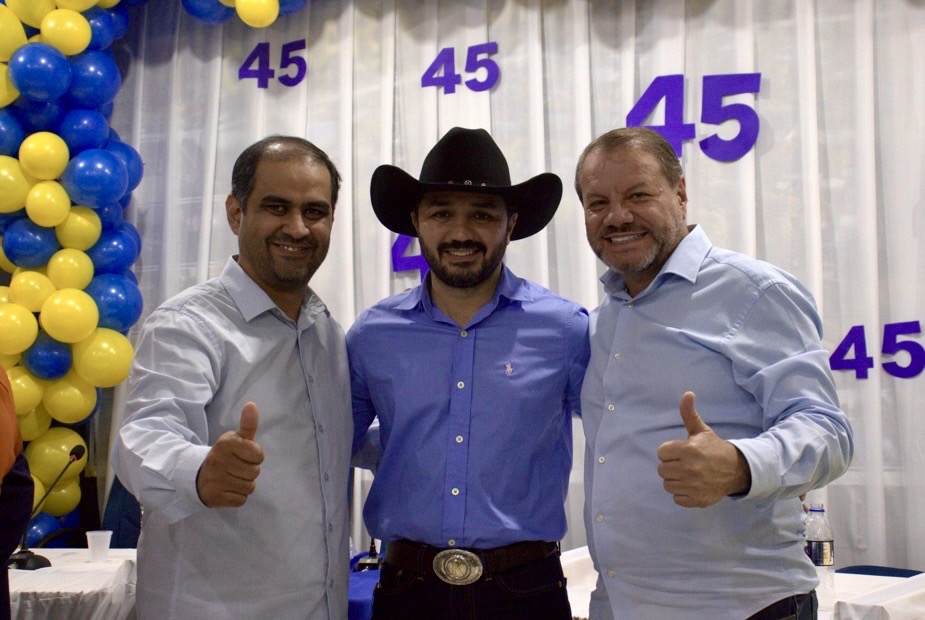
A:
<point x="466" y="157"/>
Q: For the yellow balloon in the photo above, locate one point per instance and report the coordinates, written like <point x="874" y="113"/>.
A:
<point x="18" y="328"/>
<point x="44" y="155"/>
<point x="69" y="315"/>
<point x="31" y="12"/>
<point x="47" y="455"/>
<point x="8" y="92"/>
<point x="229" y="3"/>
<point x="8" y="361"/>
<point x="27" y="390"/>
<point x="30" y="289"/>
<point x="34" y="424"/>
<point x="75" y="5"/>
<point x="64" y="498"/>
<point x="12" y="34"/>
<point x="14" y="185"/>
<point x="107" y="4"/>
<point x="70" y="268"/>
<point x="47" y="204"/>
<point x="4" y="294"/>
<point x="80" y="230"/>
<point x="37" y="493"/>
<point x="104" y="359"/>
<point x="70" y="399"/>
<point x="257" y="13"/>
<point x="5" y="263"/>
<point x="66" y="30"/>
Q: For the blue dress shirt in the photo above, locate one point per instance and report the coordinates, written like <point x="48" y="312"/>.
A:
<point x="745" y="337"/>
<point x="475" y="422"/>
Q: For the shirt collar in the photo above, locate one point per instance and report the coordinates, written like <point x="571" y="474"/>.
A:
<point x="253" y="301"/>
<point x="684" y="262"/>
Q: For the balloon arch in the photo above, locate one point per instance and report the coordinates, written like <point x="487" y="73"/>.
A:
<point x="68" y="296"/>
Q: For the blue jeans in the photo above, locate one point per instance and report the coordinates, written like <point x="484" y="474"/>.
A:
<point x="534" y="591"/>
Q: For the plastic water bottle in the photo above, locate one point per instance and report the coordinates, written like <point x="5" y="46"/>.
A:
<point x="820" y="547"/>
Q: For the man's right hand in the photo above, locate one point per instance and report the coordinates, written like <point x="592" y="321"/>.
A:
<point x="229" y="473"/>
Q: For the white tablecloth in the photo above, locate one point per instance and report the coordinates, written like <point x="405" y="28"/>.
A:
<point x="75" y="587"/>
<point x="857" y="597"/>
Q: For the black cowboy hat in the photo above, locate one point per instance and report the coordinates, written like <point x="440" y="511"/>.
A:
<point x="464" y="160"/>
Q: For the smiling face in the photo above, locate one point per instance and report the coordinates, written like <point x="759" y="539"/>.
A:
<point x="463" y="236"/>
<point x="285" y="228"/>
<point x="634" y="217"/>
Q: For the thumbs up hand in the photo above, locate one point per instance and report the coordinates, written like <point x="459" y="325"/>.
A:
<point x="229" y="473"/>
<point x="703" y="468"/>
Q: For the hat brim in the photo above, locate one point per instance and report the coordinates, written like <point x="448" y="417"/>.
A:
<point x="395" y="194"/>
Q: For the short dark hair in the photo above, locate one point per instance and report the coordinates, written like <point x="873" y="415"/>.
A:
<point x="290" y="147"/>
<point x="637" y="137"/>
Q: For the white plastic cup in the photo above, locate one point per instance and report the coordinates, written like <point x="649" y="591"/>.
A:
<point x="98" y="544"/>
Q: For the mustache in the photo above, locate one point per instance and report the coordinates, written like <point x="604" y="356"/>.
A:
<point x="307" y="241"/>
<point x="462" y="245"/>
<point x="626" y="228"/>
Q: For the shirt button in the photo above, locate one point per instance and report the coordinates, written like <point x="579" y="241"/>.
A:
<point x="601" y="459"/>
<point x="629" y="304"/>
<point x="460" y="385"/>
<point x="611" y="407"/>
<point x="459" y="438"/>
<point x="463" y="333"/>
<point x="610" y="573"/>
<point x="327" y="477"/>
<point x="455" y="491"/>
<point x="331" y="583"/>
<point x="330" y="527"/>
<point x="617" y="356"/>
<point x="599" y="518"/>
<point x="321" y="428"/>
<point x="451" y="542"/>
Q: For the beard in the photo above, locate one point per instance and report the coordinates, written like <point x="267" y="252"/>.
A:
<point x="664" y="241"/>
<point x="461" y="277"/>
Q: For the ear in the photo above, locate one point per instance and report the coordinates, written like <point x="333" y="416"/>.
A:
<point x="682" y="196"/>
<point x="414" y="221"/>
<point x="234" y="213"/>
<point x="511" y="222"/>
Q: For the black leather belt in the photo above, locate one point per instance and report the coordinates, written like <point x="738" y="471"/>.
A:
<point x="465" y="566"/>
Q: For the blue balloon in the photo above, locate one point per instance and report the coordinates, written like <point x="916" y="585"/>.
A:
<point x="128" y="229"/>
<point x="208" y="11"/>
<point x="42" y="525"/>
<point x="132" y="160"/>
<point x="120" y="19"/>
<point x="290" y="6"/>
<point x="118" y="300"/>
<point x="37" y="115"/>
<point x="71" y="519"/>
<point x="126" y="200"/>
<point x="83" y="129"/>
<point x="11" y="133"/>
<point x="95" y="177"/>
<point x="29" y="245"/>
<point x="95" y="79"/>
<point x="114" y="252"/>
<point x="111" y="216"/>
<point x="102" y="28"/>
<point x="8" y="218"/>
<point x="47" y="358"/>
<point x="40" y="72"/>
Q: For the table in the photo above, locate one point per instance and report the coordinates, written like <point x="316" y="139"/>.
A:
<point x="75" y="587"/>
<point x="857" y="597"/>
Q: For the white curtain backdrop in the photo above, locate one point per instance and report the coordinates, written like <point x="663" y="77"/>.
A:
<point x="831" y="191"/>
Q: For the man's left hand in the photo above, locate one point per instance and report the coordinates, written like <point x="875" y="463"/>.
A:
<point x="704" y="468"/>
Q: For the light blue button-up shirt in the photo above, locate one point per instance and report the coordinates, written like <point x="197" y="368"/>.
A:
<point x="745" y="337"/>
<point x="200" y="357"/>
<point x="475" y="422"/>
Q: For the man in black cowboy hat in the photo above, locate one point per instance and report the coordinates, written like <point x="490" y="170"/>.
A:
<point x="473" y="376"/>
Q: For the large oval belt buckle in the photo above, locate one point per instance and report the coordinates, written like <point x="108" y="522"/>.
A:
<point x="458" y="567"/>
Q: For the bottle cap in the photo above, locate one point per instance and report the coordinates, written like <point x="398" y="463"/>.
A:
<point x="817" y="507"/>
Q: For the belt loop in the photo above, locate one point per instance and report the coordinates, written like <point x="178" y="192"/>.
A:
<point x="422" y="561"/>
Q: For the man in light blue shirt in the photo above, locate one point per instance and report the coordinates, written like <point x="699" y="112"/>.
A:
<point x="474" y="377"/>
<point x="708" y="406"/>
<point x="238" y="428"/>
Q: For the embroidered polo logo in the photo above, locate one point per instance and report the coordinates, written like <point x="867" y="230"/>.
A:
<point x="508" y="369"/>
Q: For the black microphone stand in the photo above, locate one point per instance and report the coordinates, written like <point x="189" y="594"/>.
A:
<point x="23" y="558"/>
